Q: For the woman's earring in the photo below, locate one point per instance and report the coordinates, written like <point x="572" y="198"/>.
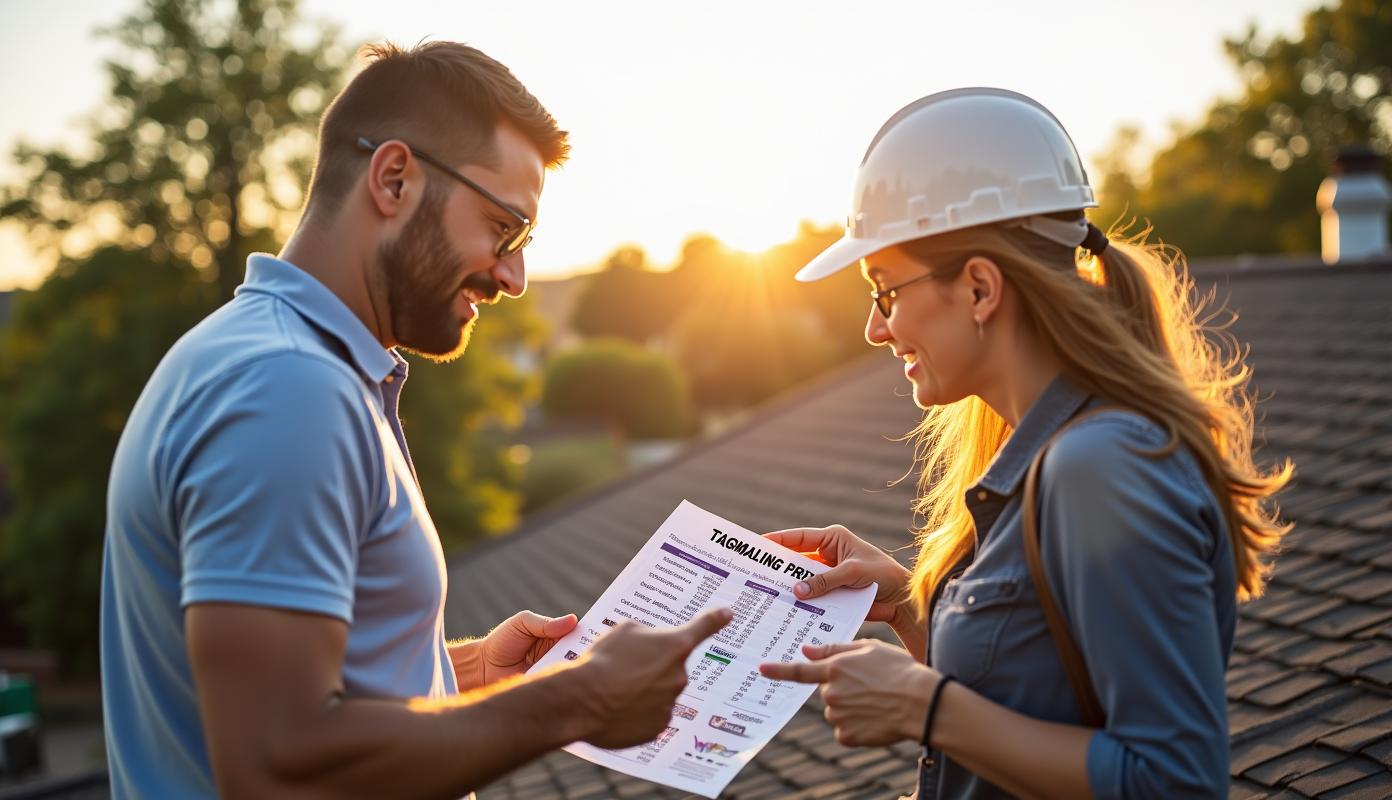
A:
<point x="980" y="329"/>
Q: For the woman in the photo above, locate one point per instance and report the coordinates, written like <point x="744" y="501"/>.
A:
<point x="1018" y="322"/>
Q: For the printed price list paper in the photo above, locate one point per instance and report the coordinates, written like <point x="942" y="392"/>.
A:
<point x="728" y="712"/>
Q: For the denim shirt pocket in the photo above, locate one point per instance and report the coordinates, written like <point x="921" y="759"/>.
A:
<point x="967" y="624"/>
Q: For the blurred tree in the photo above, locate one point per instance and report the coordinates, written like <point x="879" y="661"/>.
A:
<point x="840" y="301"/>
<point x="561" y="468"/>
<point x="72" y="361"/>
<point x="207" y="137"/>
<point x="736" y="360"/>
<point x="457" y="415"/>
<point x="626" y="299"/>
<point x="706" y="266"/>
<point x="745" y="329"/>
<point x="1244" y="180"/>
<point x="1116" y="178"/>
<point x="741" y="328"/>
<point x="197" y="159"/>
<point x="639" y="391"/>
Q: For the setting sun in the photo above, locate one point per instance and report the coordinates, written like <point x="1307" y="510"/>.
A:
<point x="735" y="119"/>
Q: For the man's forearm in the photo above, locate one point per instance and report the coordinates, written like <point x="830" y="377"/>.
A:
<point x="429" y="749"/>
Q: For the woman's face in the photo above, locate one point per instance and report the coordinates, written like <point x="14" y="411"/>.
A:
<point x="930" y="327"/>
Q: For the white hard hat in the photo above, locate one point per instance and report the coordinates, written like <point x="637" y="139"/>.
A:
<point x="956" y="159"/>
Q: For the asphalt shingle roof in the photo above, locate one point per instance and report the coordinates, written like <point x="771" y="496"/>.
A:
<point x="822" y="456"/>
<point x="1310" y="682"/>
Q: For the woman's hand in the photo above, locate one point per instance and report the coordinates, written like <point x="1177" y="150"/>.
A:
<point x="875" y="693"/>
<point x="854" y="562"/>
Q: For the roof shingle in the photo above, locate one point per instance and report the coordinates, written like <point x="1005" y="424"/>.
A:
<point x="1310" y="684"/>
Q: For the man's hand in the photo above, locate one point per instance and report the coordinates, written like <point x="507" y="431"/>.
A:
<point x="509" y="649"/>
<point x="279" y="722"/>
<point x="633" y="675"/>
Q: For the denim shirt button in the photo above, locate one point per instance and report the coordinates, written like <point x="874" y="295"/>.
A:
<point x="971" y="599"/>
<point x="981" y="495"/>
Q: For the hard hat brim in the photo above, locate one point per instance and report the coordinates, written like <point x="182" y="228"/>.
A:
<point x="843" y="253"/>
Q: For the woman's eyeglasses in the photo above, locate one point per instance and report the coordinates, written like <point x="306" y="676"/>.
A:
<point x="884" y="298"/>
<point x="514" y="238"/>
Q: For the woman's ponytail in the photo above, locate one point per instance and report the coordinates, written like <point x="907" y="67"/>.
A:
<point x="1127" y="324"/>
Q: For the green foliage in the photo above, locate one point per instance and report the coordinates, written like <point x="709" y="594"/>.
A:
<point x="742" y="329"/>
<point x="456" y="417"/>
<point x="738" y="361"/>
<point x="559" y="469"/>
<point x="213" y="106"/>
<point x="745" y="330"/>
<point x="639" y="391"/>
<point x="626" y="299"/>
<point x="72" y="361"/>
<point x="197" y="157"/>
<point x="839" y="302"/>
<point x="1244" y="179"/>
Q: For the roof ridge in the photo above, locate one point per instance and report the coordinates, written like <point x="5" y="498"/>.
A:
<point x="1282" y="265"/>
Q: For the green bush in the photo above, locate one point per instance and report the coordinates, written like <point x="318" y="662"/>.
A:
<point x="735" y="366"/>
<point x="640" y="392"/>
<point x="458" y="417"/>
<point x="559" y="469"/>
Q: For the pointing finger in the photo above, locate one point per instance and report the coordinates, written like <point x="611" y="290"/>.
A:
<point x="817" y="652"/>
<point x="797" y="671"/>
<point x="703" y="627"/>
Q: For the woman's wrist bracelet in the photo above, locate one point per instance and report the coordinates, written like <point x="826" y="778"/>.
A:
<point x="933" y="709"/>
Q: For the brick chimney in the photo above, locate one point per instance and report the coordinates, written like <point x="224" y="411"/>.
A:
<point x="1353" y="203"/>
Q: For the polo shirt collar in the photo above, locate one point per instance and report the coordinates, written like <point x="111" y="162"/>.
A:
<point x="266" y="274"/>
<point x="1059" y="401"/>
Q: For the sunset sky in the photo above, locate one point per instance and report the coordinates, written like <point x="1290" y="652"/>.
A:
<point x="733" y="118"/>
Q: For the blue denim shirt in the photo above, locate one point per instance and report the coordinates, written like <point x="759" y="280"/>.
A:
<point x="1137" y="556"/>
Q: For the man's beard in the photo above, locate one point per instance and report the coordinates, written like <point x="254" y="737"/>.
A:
<point x="418" y="269"/>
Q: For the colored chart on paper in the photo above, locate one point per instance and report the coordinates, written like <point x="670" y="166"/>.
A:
<point x="728" y="712"/>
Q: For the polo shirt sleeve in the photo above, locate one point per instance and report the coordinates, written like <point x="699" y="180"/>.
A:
<point x="270" y="478"/>
<point x="1129" y="549"/>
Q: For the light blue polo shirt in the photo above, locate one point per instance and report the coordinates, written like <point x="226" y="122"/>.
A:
<point x="263" y="464"/>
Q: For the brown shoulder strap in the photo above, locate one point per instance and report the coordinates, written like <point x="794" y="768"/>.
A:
<point x="1072" y="657"/>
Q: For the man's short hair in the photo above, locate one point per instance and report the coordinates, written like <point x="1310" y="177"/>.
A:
<point x="446" y="98"/>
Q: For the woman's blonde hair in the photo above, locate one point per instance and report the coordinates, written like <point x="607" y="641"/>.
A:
<point x="1127" y="326"/>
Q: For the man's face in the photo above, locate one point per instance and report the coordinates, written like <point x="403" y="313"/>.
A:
<point x="444" y="262"/>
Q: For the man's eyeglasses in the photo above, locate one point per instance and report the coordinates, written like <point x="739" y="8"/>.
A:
<point x="514" y="238"/>
<point x="884" y="298"/>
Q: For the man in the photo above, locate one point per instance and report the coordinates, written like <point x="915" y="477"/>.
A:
<point x="273" y="587"/>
